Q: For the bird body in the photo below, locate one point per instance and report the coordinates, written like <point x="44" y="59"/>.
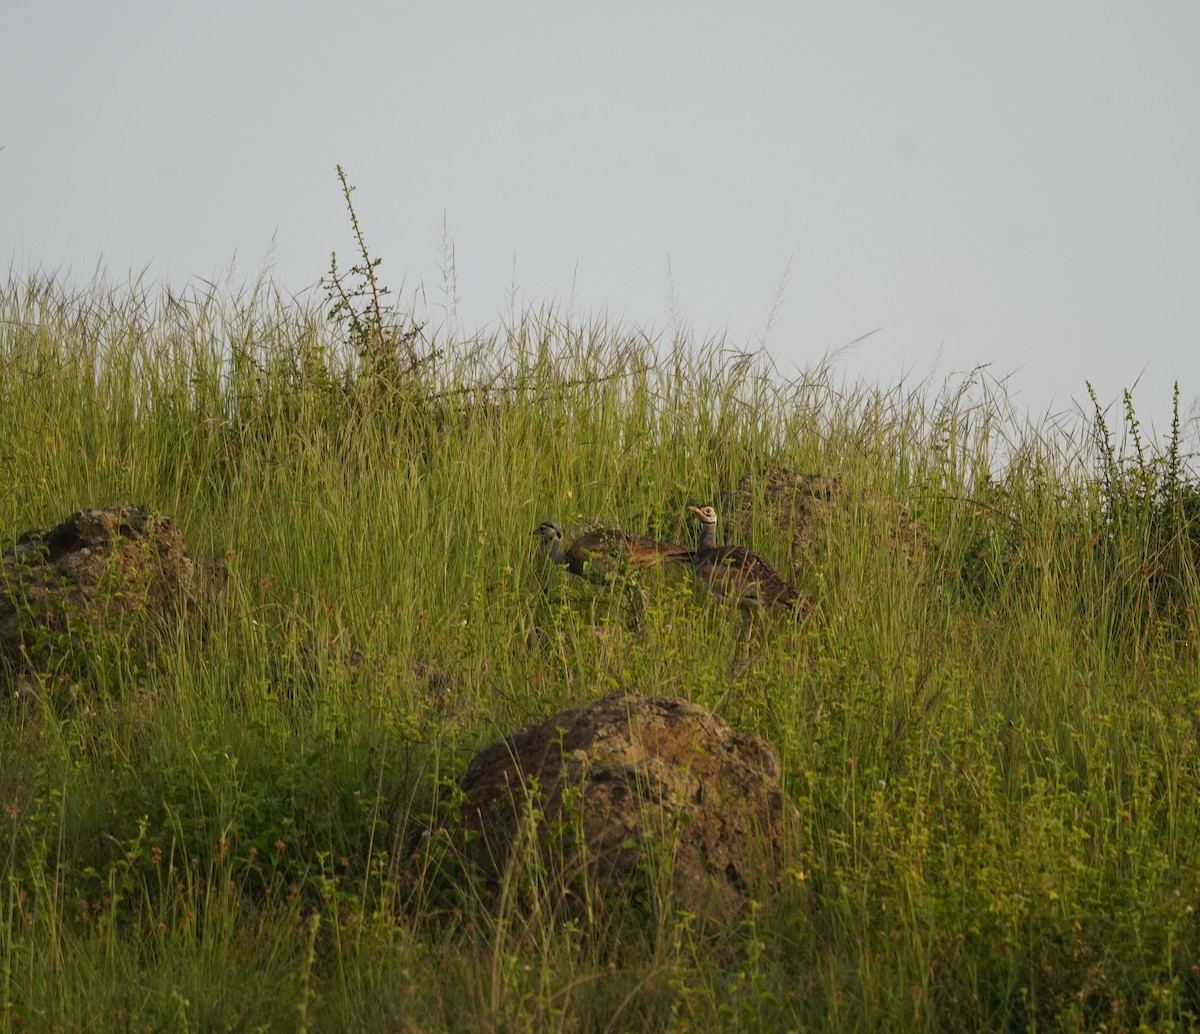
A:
<point x="736" y="575"/>
<point x="597" y="554"/>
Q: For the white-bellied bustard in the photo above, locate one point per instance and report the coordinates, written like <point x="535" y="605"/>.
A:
<point x="736" y="575"/>
<point x="597" y="554"/>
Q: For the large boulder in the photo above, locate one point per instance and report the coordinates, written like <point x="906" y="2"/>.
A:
<point x="608" y="791"/>
<point x="121" y="568"/>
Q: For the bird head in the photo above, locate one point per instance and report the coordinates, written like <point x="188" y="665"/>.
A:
<point x="548" y="532"/>
<point x="550" y="536"/>
<point x="706" y="514"/>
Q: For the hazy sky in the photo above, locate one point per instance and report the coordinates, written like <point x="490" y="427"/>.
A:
<point x="1013" y="183"/>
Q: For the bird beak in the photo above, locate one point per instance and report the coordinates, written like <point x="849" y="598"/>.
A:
<point x="697" y="510"/>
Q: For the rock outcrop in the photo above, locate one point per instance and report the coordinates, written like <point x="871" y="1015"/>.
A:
<point x="119" y="568"/>
<point x="815" y="512"/>
<point x="592" y="797"/>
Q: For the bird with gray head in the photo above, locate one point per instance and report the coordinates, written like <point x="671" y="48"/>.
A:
<point x="738" y="576"/>
<point x="599" y="553"/>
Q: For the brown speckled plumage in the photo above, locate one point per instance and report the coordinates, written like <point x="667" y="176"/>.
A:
<point x="596" y="554"/>
<point x="738" y="576"/>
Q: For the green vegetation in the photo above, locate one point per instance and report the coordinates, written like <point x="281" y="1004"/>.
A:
<point x="993" y="744"/>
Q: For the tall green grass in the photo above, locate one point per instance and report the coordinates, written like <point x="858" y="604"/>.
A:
<point x="993" y="744"/>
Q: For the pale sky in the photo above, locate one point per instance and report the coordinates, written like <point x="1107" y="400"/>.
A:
<point x="1015" y="184"/>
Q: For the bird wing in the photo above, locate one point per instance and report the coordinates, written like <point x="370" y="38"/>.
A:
<point x="736" y="573"/>
<point x="644" y="550"/>
<point x="637" y="549"/>
<point x="590" y="556"/>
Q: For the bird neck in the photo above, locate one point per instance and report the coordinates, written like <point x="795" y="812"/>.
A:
<point x="707" y="539"/>
<point x="554" y="549"/>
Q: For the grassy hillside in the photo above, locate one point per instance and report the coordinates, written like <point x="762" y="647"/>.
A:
<point x="993" y="744"/>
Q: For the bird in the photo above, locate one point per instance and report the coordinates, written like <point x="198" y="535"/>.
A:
<point x="597" y="554"/>
<point x="738" y="576"/>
